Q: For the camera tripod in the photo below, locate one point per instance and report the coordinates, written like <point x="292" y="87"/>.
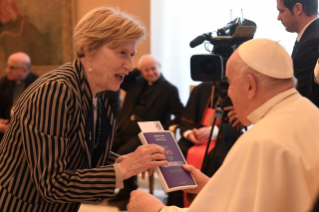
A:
<point x="210" y="164"/>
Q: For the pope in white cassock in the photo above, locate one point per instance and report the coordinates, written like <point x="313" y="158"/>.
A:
<point x="274" y="166"/>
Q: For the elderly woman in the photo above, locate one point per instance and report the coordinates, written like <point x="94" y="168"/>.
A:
<point x="56" y="152"/>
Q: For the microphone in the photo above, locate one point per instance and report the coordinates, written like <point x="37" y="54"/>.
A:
<point x="199" y="40"/>
<point x="231" y="26"/>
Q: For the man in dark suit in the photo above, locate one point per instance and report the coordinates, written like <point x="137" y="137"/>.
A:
<point x="18" y="78"/>
<point x="149" y="97"/>
<point x="301" y="17"/>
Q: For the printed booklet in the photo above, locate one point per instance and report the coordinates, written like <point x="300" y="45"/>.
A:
<point x="172" y="175"/>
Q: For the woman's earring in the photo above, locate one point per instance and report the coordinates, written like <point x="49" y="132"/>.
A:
<point x="90" y="69"/>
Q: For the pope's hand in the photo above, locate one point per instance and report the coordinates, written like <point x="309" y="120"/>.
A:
<point x="200" y="178"/>
<point x="141" y="201"/>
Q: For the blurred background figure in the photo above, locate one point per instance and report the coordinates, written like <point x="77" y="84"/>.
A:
<point x="115" y="101"/>
<point x="149" y="97"/>
<point x="18" y="78"/>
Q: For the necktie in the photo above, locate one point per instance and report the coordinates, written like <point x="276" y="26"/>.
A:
<point x="295" y="49"/>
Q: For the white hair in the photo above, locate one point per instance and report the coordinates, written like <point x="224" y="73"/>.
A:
<point x="263" y="80"/>
<point x="147" y="55"/>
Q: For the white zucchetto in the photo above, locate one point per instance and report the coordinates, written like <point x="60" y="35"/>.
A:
<point x="267" y="57"/>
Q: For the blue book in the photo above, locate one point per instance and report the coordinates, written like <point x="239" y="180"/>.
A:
<point x="172" y="175"/>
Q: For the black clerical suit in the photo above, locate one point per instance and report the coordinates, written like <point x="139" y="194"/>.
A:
<point x="194" y="111"/>
<point x="143" y="102"/>
<point x="114" y="100"/>
<point x="6" y="95"/>
<point x="305" y="55"/>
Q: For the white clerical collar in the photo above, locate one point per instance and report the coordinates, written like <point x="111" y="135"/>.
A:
<point x="262" y="110"/>
<point x="303" y="30"/>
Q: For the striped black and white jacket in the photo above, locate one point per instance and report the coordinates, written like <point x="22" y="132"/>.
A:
<point x="45" y="163"/>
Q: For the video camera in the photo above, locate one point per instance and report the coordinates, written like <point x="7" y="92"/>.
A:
<point x="210" y="67"/>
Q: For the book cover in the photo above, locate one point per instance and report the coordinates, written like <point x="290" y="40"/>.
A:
<point x="172" y="175"/>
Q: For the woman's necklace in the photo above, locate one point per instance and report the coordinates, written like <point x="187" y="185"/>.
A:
<point x="98" y="107"/>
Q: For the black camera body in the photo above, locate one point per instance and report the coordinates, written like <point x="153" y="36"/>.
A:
<point x="211" y="67"/>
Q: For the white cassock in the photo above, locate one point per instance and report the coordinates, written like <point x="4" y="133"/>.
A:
<point x="273" y="167"/>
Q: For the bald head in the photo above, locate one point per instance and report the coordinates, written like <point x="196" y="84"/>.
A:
<point x="18" y="66"/>
<point x="250" y="87"/>
<point x="150" y="68"/>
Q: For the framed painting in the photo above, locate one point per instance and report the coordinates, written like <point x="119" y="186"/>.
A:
<point x="41" y="28"/>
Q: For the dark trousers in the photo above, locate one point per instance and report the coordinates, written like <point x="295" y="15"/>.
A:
<point x="185" y="145"/>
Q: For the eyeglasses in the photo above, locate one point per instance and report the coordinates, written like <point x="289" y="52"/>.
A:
<point x="13" y="67"/>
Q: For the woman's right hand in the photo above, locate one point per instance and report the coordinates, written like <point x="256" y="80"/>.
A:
<point x="142" y="159"/>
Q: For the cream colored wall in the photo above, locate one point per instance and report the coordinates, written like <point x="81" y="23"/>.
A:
<point x="139" y="8"/>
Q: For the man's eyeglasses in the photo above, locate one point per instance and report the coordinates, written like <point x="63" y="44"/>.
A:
<point x="13" y="67"/>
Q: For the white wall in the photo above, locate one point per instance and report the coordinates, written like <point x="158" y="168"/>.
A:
<point x="174" y="23"/>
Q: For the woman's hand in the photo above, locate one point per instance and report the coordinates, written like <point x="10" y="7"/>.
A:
<point x="142" y="159"/>
<point x="149" y="171"/>
<point x="200" y="178"/>
<point x="121" y="158"/>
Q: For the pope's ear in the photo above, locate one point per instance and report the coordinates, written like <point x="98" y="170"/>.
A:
<point x="252" y="86"/>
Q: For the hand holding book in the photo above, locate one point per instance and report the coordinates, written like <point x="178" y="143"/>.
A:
<point x="200" y="178"/>
<point x="141" y="201"/>
<point x="172" y="176"/>
<point x="142" y="159"/>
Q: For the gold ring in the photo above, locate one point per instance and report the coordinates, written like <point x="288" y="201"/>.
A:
<point x="153" y="157"/>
